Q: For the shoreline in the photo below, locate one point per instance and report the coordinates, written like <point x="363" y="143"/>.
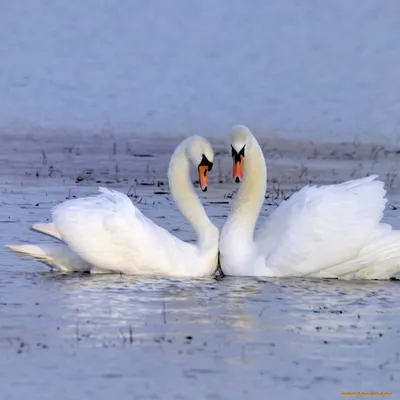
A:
<point x="106" y="159"/>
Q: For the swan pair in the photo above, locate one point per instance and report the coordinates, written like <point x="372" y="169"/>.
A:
<point x="330" y="231"/>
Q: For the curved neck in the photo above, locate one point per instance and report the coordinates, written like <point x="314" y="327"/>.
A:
<point x="186" y="198"/>
<point x="250" y="197"/>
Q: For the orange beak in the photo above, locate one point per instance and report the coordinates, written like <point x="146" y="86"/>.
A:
<point x="237" y="171"/>
<point x="203" y="177"/>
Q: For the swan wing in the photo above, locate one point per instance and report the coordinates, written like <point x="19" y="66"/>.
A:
<point x="111" y="234"/>
<point x="319" y="227"/>
<point x="378" y="259"/>
<point x="46" y="229"/>
<point x="58" y="256"/>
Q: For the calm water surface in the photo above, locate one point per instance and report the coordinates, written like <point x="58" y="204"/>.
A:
<point x="83" y="336"/>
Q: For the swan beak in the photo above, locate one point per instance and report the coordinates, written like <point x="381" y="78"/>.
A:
<point x="237" y="171"/>
<point x="203" y="177"/>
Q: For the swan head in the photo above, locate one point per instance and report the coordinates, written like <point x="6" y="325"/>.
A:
<point x="201" y="154"/>
<point x="240" y="139"/>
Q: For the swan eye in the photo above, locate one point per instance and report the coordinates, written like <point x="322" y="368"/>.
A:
<point x="237" y="155"/>
<point x="205" y="162"/>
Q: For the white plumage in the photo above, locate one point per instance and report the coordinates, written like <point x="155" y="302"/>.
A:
<point x="108" y="233"/>
<point x="327" y="231"/>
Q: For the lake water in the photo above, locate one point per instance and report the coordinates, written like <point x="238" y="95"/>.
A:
<point x="85" y="336"/>
<point x="311" y="69"/>
<point x="97" y="337"/>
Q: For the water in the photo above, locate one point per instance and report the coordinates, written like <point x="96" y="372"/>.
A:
<point x="83" y="336"/>
<point x="310" y="69"/>
<point x="98" y="337"/>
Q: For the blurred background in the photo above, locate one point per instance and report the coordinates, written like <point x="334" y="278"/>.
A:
<point x="313" y="69"/>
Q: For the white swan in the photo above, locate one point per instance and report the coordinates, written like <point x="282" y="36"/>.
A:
<point x="328" y="231"/>
<point x="107" y="233"/>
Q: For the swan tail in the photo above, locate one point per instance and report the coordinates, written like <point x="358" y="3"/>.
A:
<point x="47" y="229"/>
<point x="381" y="258"/>
<point x="56" y="256"/>
<point x="378" y="259"/>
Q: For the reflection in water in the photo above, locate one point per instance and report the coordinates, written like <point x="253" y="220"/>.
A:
<point x="298" y="331"/>
<point x="110" y="304"/>
<point x="246" y="310"/>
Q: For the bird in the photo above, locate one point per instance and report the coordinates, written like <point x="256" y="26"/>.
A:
<point x="107" y="233"/>
<point x="327" y="231"/>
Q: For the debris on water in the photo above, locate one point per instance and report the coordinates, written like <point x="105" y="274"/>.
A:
<point x="384" y="364"/>
<point x="143" y="155"/>
<point x="159" y="339"/>
<point x="81" y="177"/>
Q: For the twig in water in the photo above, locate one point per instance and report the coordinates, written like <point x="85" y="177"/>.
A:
<point x="262" y="312"/>
<point x="375" y="152"/>
<point x="276" y="189"/>
<point x="220" y="180"/>
<point x="78" y="337"/>
<point x="164" y="312"/>
<point x="44" y="158"/>
<point x="358" y="169"/>
<point x="304" y="171"/>
<point x="130" y="335"/>
<point x="123" y="336"/>
<point x="134" y="192"/>
<point x="391" y="177"/>
<point x="116" y="171"/>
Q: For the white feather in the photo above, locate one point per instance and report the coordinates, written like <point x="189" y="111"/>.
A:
<point x="107" y="233"/>
<point x="112" y="234"/>
<point x="319" y="227"/>
<point x="55" y="255"/>
<point x="327" y="231"/>
<point x="47" y="229"/>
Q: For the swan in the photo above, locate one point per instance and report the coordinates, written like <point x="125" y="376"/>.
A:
<point x="107" y="233"/>
<point x="331" y="231"/>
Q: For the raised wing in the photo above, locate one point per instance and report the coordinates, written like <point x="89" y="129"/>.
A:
<point x="57" y="256"/>
<point x="47" y="229"/>
<point x="319" y="227"/>
<point x="110" y="233"/>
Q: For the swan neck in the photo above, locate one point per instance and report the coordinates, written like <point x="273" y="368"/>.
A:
<point x="186" y="198"/>
<point x="251" y="195"/>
